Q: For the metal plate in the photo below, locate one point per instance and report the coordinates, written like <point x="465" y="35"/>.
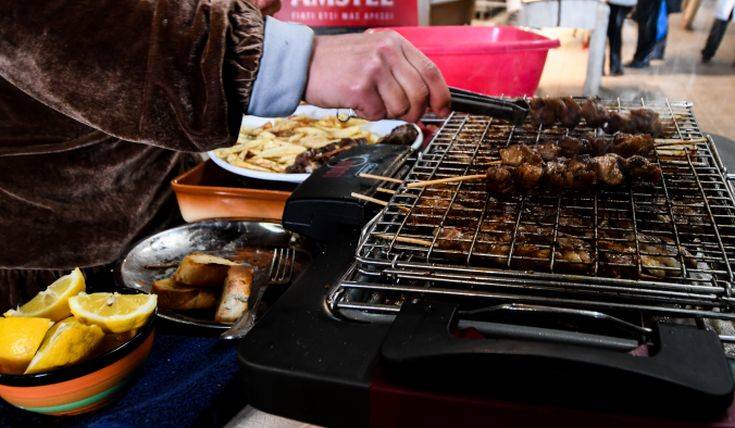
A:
<point x="157" y="257"/>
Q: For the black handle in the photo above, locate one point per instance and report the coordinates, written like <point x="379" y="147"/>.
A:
<point x="470" y="102"/>
<point x="688" y="366"/>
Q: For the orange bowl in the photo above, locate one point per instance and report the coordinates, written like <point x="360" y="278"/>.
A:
<point x="83" y="387"/>
<point x="207" y="191"/>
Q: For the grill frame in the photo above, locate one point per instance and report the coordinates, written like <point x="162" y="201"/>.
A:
<point x="395" y="268"/>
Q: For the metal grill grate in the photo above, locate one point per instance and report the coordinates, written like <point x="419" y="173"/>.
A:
<point x="664" y="249"/>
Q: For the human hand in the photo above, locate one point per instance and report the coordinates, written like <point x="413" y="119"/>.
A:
<point x="377" y="74"/>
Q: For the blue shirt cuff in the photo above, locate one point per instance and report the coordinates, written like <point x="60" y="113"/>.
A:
<point x="284" y="67"/>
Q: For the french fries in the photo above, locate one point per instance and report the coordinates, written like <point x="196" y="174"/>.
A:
<point x="274" y="146"/>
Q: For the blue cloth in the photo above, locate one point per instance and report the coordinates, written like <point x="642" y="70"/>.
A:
<point x="183" y="383"/>
<point x="662" y="25"/>
<point x="284" y="67"/>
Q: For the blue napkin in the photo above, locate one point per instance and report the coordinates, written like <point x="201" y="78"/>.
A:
<point x="186" y="381"/>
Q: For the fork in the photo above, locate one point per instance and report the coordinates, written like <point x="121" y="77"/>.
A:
<point x="280" y="273"/>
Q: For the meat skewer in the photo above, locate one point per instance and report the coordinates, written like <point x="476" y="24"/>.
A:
<point x="568" y="113"/>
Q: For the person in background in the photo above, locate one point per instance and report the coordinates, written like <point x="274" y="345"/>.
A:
<point x="723" y="15"/>
<point x="619" y="10"/>
<point x="653" y="23"/>
<point x="102" y="101"/>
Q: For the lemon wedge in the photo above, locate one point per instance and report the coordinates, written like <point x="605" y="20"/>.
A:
<point x="19" y="340"/>
<point x="115" y="313"/>
<point x="68" y="342"/>
<point x="53" y="302"/>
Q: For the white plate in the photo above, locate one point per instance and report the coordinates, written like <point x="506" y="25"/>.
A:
<point x="379" y="128"/>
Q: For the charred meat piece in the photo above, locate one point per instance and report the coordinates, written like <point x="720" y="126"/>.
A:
<point x="639" y="120"/>
<point x="517" y="154"/>
<point x="647" y="120"/>
<point x="627" y="145"/>
<point x="619" y="121"/>
<point x="594" y="113"/>
<point x="580" y="173"/>
<point x="403" y="135"/>
<point x="542" y="111"/>
<point x="528" y="176"/>
<point x="499" y="181"/>
<point x="313" y="159"/>
<point x="609" y="169"/>
<point x="640" y="169"/>
<point x="548" y="151"/>
<point x="554" y="175"/>
<point x="571" y="146"/>
<point x="599" y="145"/>
<point x="570" y="114"/>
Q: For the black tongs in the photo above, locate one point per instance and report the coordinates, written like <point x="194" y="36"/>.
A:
<point x="474" y="103"/>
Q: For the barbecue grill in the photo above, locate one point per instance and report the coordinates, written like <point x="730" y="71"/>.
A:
<point x="510" y="302"/>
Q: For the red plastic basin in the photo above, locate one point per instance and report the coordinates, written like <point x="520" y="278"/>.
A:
<point x="491" y="60"/>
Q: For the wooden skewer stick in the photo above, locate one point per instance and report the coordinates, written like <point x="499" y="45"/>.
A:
<point x="377" y="201"/>
<point x="369" y="199"/>
<point x="673" y="141"/>
<point x="404" y="239"/>
<point x="446" y="180"/>
<point x="380" y="177"/>
<point x="384" y="190"/>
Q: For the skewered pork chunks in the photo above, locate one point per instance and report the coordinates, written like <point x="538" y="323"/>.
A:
<point x="568" y="113"/>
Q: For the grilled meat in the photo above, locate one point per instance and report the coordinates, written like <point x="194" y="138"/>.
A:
<point x="528" y="176"/>
<point x="548" y="111"/>
<point x="517" y="154"/>
<point x="627" y="145"/>
<point x="543" y="111"/>
<point x="554" y="175"/>
<point x="599" y="145"/>
<point x="594" y="113"/>
<point x="548" y="151"/>
<point x="609" y="169"/>
<point x="639" y="120"/>
<point x="568" y="113"/>
<point x="403" y="135"/>
<point x="572" y="113"/>
<point x="640" y="169"/>
<point x="500" y="181"/>
<point x="571" y="146"/>
<point x="580" y="173"/>
<point x="313" y="159"/>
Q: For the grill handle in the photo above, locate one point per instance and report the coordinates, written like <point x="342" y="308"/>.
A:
<point x="687" y="370"/>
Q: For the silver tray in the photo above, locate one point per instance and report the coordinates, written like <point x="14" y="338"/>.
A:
<point x="158" y="256"/>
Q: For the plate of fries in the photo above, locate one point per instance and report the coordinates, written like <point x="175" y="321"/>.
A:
<point x="267" y="148"/>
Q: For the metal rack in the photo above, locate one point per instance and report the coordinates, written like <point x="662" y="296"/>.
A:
<point x="664" y="250"/>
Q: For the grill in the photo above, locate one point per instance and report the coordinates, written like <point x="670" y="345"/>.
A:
<point x="505" y="315"/>
<point x="663" y="250"/>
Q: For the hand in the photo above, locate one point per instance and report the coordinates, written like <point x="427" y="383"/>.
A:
<point x="378" y="75"/>
<point x="267" y="7"/>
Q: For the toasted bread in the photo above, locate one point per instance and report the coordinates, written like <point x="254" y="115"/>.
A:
<point x="202" y="270"/>
<point x="235" y="295"/>
<point x="172" y="296"/>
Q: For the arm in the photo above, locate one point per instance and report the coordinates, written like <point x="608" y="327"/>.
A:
<point x="176" y="74"/>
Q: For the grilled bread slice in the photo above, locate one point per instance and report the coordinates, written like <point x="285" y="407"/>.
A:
<point x="173" y="296"/>
<point x="235" y="295"/>
<point x="202" y="270"/>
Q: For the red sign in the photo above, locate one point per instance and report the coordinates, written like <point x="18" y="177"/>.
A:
<point x="350" y="13"/>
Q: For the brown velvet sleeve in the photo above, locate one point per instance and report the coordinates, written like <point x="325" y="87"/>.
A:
<point x="169" y="73"/>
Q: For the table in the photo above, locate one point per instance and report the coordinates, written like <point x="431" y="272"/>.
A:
<point x="187" y="380"/>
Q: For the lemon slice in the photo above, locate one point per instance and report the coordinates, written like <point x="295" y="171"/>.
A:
<point x="53" y="302"/>
<point x="19" y="340"/>
<point x="68" y="342"/>
<point x="115" y="313"/>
